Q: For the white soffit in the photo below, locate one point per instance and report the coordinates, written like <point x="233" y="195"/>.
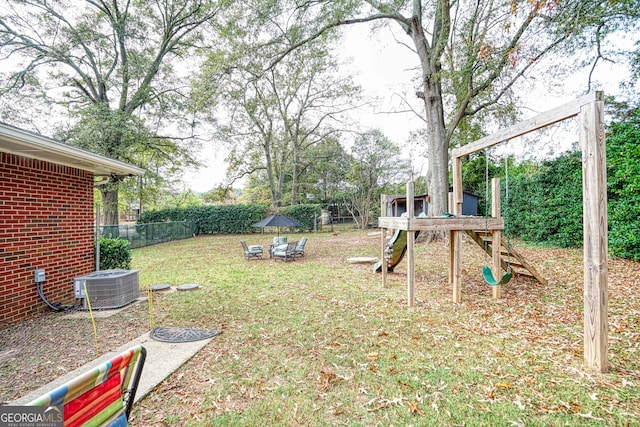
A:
<point x="28" y="144"/>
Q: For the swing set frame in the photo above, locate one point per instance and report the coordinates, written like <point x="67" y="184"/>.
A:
<point x="591" y="135"/>
<point x="590" y="113"/>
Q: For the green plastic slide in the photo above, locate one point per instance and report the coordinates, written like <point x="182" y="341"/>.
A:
<point x="398" y="246"/>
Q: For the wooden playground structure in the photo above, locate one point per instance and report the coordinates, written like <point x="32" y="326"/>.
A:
<point x="590" y="113"/>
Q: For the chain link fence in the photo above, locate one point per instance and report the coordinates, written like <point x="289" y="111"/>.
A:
<point x="140" y="235"/>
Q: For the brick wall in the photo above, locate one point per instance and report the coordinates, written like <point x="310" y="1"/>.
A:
<point x="46" y="222"/>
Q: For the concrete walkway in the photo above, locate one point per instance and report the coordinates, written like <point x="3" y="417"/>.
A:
<point x="162" y="360"/>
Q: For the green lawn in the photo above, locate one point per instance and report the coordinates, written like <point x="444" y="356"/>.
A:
<point x="318" y="341"/>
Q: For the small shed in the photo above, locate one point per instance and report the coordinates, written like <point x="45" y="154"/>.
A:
<point x="397" y="205"/>
<point x="469" y="203"/>
<point x="47" y="216"/>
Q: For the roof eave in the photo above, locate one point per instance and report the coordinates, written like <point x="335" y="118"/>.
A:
<point x="27" y="144"/>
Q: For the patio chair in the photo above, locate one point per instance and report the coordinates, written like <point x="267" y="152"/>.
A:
<point x="277" y="241"/>
<point x="285" y="251"/>
<point x="252" y="251"/>
<point x="102" y="396"/>
<point x="300" y="247"/>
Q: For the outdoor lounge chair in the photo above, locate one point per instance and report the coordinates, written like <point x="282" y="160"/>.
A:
<point x="285" y="251"/>
<point x="276" y="242"/>
<point x="252" y="251"/>
<point x="102" y="396"/>
<point x="300" y="247"/>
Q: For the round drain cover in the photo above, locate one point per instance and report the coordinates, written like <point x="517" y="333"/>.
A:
<point x="188" y="287"/>
<point x="178" y="335"/>
<point x="162" y="287"/>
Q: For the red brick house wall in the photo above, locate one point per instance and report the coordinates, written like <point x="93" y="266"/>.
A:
<point x="46" y="222"/>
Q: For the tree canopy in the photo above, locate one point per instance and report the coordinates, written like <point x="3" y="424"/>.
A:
<point x="121" y="74"/>
<point x="471" y="55"/>
<point x="110" y="66"/>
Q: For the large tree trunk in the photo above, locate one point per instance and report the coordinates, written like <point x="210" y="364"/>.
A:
<point x="270" y="177"/>
<point x="437" y="140"/>
<point x="438" y="149"/>
<point x="295" y="178"/>
<point x="109" y="193"/>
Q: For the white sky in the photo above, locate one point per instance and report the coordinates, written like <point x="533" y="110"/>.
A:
<point x="383" y="69"/>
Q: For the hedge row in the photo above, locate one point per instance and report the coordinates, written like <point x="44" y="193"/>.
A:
<point x="229" y="219"/>
<point x="218" y="219"/>
<point x="545" y="203"/>
<point x="623" y="181"/>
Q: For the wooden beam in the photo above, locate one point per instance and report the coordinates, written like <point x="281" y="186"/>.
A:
<point x="563" y="112"/>
<point x="456" y="241"/>
<point x="450" y="236"/>
<point x="594" y="190"/>
<point x="525" y="264"/>
<point x="457" y="186"/>
<point x="411" y="238"/>
<point x="456" y="235"/>
<point x="383" y="240"/>
<point x="441" y="223"/>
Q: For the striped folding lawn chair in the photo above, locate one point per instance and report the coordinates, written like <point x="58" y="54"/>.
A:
<point x="102" y="396"/>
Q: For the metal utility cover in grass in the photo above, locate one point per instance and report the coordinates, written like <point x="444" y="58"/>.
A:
<point x="179" y="335"/>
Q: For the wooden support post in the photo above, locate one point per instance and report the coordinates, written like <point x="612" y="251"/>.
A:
<point x="383" y="241"/>
<point x="450" y="233"/>
<point x="594" y="189"/>
<point x="411" y="238"/>
<point x="456" y="235"/>
<point x="496" y="242"/>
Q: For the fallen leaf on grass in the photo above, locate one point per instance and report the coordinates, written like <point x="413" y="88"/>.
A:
<point x="413" y="408"/>
<point x="503" y="385"/>
<point x="379" y="406"/>
<point x="327" y="379"/>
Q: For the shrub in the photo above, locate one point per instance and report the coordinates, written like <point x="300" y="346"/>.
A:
<point x="114" y="253"/>
<point x="545" y="201"/>
<point x="623" y="176"/>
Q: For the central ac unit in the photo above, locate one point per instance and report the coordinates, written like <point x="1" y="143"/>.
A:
<point x="107" y="288"/>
